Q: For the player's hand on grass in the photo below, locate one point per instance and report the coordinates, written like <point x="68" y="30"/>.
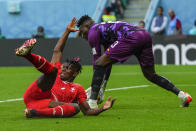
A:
<point x="71" y="26"/>
<point x="109" y="103"/>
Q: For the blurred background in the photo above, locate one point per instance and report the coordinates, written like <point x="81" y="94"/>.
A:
<point x="172" y="24"/>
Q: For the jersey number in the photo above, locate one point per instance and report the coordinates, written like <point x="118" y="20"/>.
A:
<point x="114" y="44"/>
<point x="113" y="22"/>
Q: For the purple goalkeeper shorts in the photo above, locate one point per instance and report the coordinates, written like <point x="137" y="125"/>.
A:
<point x="138" y="43"/>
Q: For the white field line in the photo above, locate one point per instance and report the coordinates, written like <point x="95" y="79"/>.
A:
<point x="10" y="100"/>
<point x="187" y="85"/>
<point x="122" y="88"/>
<point x="140" y="73"/>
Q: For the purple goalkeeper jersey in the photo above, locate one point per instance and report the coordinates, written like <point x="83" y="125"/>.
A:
<point x="106" y="34"/>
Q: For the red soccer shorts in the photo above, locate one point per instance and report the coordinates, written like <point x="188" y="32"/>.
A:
<point x="35" y="98"/>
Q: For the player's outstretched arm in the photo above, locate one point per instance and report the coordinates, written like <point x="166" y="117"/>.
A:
<point x="57" y="53"/>
<point x="85" y="108"/>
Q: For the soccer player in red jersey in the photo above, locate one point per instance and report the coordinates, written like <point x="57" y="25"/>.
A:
<point x="54" y="94"/>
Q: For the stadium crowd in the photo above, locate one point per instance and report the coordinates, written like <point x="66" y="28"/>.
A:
<point x="160" y="23"/>
<point x="114" y="11"/>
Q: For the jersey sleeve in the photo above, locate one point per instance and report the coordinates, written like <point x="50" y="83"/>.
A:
<point x="57" y="65"/>
<point x="81" y="95"/>
<point x="94" y="41"/>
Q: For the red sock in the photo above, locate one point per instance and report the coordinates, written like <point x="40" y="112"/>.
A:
<point x="59" y="111"/>
<point x="40" y="63"/>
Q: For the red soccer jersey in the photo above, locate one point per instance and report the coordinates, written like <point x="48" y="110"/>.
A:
<point x="67" y="92"/>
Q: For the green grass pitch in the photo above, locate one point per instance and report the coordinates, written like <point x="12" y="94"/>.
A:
<point x="139" y="109"/>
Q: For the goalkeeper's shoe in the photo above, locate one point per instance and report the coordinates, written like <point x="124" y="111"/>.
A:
<point x="29" y="113"/>
<point x="100" y="96"/>
<point x="92" y="104"/>
<point x="185" y="99"/>
<point x="26" y="47"/>
<point x="101" y="92"/>
<point x="88" y="93"/>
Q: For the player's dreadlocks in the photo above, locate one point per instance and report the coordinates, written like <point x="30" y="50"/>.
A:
<point x="75" y="64"/>
<point x="83" y="19"/>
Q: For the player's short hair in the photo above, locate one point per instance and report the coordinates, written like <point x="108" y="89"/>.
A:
<point x="83" y="19"/>
<point x="74" y="62"/>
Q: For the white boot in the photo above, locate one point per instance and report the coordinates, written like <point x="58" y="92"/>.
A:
<point x="88" y="93"/>
<point x="92" y="103"/>
<point x="100" y="97"/>
<point x="185" y="98"/>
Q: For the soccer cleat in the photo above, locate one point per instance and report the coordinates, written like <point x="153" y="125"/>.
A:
<point x="29" y="113"/>
<point x="100" y="96"/>
<point x="185" y="99"/>
<point x="93" y="104"/>
<point x="88" y="93"/>
<point x="26" y="47"/>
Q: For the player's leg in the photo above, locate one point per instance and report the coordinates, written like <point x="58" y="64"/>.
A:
<point x="146" y="59"/>
<point x="39" y="62"/>
<point x="66" y="110"/>
<point x="46" y="81"/>
<point x="163" y="82"/>
<point x="35" y="98"/>
<point x="39" y="90"/>
<point x="98" y="77"/>
<point x="149" y="73"/>
<point x="100" y="98"/>
<point x="118" y="51"/>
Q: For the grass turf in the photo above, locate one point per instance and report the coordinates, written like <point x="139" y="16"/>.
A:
<point x="150" y="108"/>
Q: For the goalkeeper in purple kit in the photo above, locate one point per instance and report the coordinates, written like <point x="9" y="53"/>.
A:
<point x="120" y="41"/>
